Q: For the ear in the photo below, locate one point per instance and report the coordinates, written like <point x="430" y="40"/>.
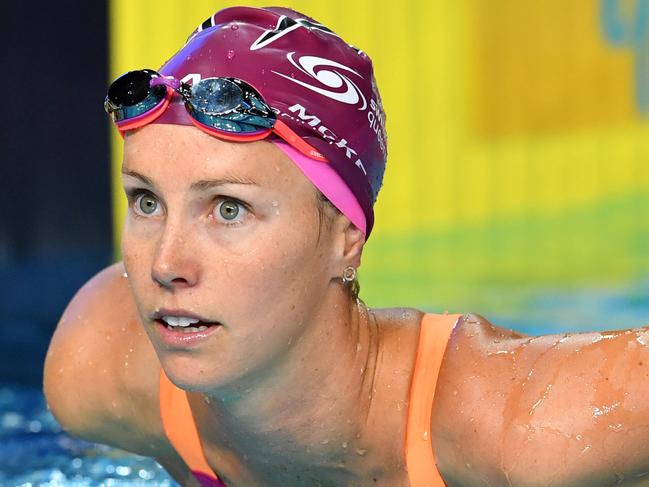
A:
<point x="353" y="241"/>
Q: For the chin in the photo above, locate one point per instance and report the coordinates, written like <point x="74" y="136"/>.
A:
<point x="194" y="373"/>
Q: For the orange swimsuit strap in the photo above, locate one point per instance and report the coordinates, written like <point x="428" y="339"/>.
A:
<point x="434" y="335"/>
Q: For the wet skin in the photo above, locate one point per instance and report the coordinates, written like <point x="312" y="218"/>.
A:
<point x="302" y="385"/>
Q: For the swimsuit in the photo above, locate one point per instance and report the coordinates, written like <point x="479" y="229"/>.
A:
<point x="434" y="334"/>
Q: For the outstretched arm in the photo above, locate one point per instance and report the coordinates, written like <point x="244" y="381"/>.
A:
<point x="568" y="410"/>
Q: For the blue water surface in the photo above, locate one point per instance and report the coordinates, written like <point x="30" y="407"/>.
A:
<point x="34" y="451"/>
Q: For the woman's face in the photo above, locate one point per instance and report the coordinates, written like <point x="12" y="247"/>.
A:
<point x="227" y="232"/>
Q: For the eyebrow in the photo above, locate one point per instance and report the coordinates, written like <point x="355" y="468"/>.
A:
<point x="202" y="185"/>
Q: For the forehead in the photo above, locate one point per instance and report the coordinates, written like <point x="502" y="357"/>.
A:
<point x="181" y="153"/>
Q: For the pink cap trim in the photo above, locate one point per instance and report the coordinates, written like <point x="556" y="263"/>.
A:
<point x="327" y="180"/>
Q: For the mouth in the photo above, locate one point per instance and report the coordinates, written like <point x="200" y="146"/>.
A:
<point x="183" y="327"/>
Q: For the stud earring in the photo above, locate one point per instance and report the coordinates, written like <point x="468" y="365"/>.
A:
<point x="349" y="274"/>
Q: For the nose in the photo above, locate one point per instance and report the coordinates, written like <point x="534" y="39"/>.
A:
<point x="174" y="264"/>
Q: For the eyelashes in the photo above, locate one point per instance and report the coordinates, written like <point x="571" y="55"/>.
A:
<point x="223" y="209"/>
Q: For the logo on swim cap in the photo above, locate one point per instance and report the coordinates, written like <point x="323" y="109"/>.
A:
<point x="284" y="26"/>
<point x="313" y="67"/>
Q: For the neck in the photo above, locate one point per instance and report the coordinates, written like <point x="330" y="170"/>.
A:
<point x="310" y="408"/>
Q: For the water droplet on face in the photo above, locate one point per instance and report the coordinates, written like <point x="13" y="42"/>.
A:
<point x="361" y="451"/>
<point x="234" y="27"/>
<point x="425" y="435"/>
<point x="230" y="54"/>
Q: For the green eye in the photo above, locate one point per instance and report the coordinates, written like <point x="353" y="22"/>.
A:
<point x="229" y="210"/>
<point x="147" y="204"/>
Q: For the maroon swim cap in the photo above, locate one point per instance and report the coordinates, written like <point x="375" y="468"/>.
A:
<point x="320" y="86"/>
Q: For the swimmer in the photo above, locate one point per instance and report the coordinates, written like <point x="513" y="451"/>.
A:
<point x="231" y="345"/>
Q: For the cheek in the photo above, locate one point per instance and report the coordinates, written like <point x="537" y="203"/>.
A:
<point x="136" y="256"/>
<point x="276" y="282"/>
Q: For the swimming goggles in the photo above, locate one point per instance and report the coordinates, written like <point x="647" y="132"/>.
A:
<point x="227" y="108"/>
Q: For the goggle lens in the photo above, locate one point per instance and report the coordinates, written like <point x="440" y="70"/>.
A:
<point x="131" y="95"/>
<point x="216" y="96"/>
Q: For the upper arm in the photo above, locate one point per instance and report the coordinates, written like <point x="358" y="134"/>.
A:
<point x="80" y="383"/>
<point x="71" y="358"/>
<point x="568" y="409"/>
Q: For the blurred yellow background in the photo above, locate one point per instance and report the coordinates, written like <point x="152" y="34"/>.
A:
<point x="517" y="133"/>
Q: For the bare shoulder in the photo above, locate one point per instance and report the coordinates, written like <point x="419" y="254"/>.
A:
<point x="101" y="373"/>
<point x="564" y="409"/>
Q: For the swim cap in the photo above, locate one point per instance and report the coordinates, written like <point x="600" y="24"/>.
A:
<point x="317" y="84"/>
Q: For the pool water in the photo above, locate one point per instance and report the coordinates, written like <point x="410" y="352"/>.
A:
<point x="34" y="451"/>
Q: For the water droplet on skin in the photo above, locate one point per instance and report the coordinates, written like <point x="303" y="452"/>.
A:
<point x="277" y="212"/>
<point x="230" y="54"/>
<point x="108" y="337"/>
<point x="275" y="203"/>
<point x="344" y="445"/>
<point x="90" y="363"/>
<point x="361" y="451"/>
<point x="324" y="442"/>
<point x="125" y="364"/>
<point x="234" y="27"/>
<point x="61" y="370"/>
<point x="124" y="329"/>
<point x="605" y="409"/>
<point x="425" y="435"/>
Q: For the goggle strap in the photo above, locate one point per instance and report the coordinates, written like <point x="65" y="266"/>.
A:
<point x="298" y="142"/>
